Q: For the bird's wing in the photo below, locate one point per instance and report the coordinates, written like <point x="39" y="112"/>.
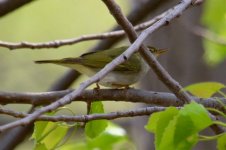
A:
<point x="99" y="59"/>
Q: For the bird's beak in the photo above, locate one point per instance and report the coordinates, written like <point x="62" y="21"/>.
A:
<point x="161" y="51"/>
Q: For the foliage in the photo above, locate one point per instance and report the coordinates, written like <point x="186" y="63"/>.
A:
<point x="94" y="128"/>
<point x="221" y="144"/>
<point x="204" y="89"/>
<point x="48" y="135"/>
<point x="174" y="128"/>
<point x="100" y="134"/>
<point x="180" y="128"/>
<point x="113" y="137"/>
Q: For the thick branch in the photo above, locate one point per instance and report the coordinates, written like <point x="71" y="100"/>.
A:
<point x="130" y="95"/>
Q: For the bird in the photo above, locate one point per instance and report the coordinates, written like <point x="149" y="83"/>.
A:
<point x="123" y="75"/>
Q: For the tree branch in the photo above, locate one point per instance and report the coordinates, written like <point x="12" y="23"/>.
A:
<point x="90" y="117"/>
<point x="209" y="35"/>
<point x="130" y="95"/>
<point x="64" y="42"/>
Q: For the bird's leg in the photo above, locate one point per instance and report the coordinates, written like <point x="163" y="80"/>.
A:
<point x="98" y="87"/>
<point x="90" y="101"/>
<point x="126" y="87"/>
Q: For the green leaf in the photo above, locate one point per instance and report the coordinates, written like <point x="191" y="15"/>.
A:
<point x="198" y="114"/>
<point x="75" y="146"/>
<point x="190" y="121"/>
<point x="152" y="122"/>
<point x="178" y="129"/>
<point x="185" y="135"/>
<point x="39" y="129"/>
<point x="40" y="146"/>
<point x="167" y="136"/>
<point x="221" y="142"/>
<point x="159" y="121"/>
<point x="49" y="133"/>
<point x="113" y="137"/>
<point x="160" y="118"/>
<point x="204" y="89"/>
<point x="96" y="127"/>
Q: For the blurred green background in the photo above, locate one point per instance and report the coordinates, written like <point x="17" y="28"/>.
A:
<point x="214" y="18"/>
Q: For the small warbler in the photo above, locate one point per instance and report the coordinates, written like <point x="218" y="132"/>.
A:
<point x="123" y="75"/>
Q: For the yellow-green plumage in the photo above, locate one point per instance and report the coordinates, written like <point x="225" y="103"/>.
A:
<point x="124" y="74"/>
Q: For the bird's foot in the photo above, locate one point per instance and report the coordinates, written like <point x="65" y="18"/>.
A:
<point x="97" y="87"/>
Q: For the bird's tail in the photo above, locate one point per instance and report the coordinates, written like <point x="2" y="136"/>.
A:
<point x="60" y="61"/>
<point x="46" y="61"/>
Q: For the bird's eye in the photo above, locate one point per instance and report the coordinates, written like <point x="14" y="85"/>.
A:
<point x="152" y="49"/>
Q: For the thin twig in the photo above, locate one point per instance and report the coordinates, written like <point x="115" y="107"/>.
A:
<point x="103" y="72"/>
<point x="204" y="33"/>
<point x="209" y="35"/>
<point x="216" y="128"/>
<point x="89" y="117"/>
<point x="58" y="43"/>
